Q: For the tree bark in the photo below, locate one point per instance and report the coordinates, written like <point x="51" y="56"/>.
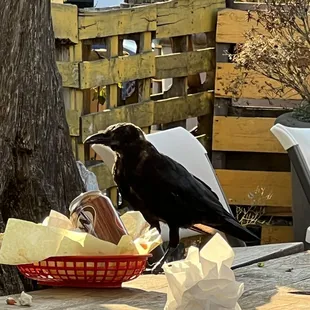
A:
<point x="37" y="168"/>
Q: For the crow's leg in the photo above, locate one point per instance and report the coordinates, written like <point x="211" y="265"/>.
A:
<point x="157" y="254"/>
<point x="174" y="240"/>
<point x="155" y="224"/>
<point x="157" y="268"/>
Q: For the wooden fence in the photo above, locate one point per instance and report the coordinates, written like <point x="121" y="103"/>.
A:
<point x="244" y="152"/>
<point x="251" y="165"/>
<point x="76" y="31"/>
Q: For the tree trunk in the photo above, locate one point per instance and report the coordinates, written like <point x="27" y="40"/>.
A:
<point x="37" y="168"/>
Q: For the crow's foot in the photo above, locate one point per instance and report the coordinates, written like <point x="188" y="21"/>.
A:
<point x="157" y="267"/>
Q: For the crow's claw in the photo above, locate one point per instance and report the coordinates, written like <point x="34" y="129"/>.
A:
<point x="157" y="269"/>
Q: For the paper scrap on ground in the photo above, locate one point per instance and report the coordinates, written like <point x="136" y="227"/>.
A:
<point x="26" y="242"/>
<point x="204" y="280"/>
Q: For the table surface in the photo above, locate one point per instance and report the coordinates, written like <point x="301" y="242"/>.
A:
<point x="286" y="269"/>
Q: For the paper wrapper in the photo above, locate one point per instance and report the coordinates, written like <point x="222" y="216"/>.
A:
<point x="25" y="242"/>
<point x="58" y="220"/>
<point x="144" y="238"/>
<point x="204" y="281"/>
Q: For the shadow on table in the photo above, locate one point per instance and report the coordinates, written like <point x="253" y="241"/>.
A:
<point x="95" y="299"/>
<point x="132" y="298"/>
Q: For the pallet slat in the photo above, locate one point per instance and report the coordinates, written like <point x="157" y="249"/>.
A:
<point x="116" y="70"/>
<point x="277" y="234"/>
<point x="149" y="113"/>
<point x="77" y="100"/>
<point x="185" y="17"/>
<point x="65" y="22"/>
<point x="105" y="23"/>
<point x="173" y="18"/>
<point x="278" y="211"/>
<point x="73" y="120"/>
<point x="141" y="66"/>
<point x="184" y="64"/>
<point x="104" y="176"/>
<point x="238" y="184"/>
<point x="181" y="108"/>
<point x="233" y="24"/>
<point x="245" y="134"/>
<point x="69" y="72"/>
<point x="140" y="114"/>
<point x="255" y="85"/>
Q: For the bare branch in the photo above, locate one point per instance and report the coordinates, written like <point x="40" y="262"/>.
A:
<point x="281" y="53"/>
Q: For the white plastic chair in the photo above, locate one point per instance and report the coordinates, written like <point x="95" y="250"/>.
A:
<point x="296" y="141"/>
<point x="183" y="147"/>
<point x="291" y="137"/>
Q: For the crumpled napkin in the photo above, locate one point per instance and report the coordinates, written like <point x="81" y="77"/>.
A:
<point x="204" y="280"/>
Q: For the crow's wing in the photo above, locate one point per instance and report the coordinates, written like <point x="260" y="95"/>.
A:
<point x="175" y="196"/>
<point x="160" y="180"/>
<point x="179" y="198"/>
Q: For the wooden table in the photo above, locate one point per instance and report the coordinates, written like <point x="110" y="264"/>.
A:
<point x="266" y="288"/>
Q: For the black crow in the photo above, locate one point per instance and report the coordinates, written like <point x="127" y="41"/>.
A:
<point x="162" y="189"/>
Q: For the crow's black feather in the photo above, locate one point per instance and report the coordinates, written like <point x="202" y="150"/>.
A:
<point x="175" y="196"/>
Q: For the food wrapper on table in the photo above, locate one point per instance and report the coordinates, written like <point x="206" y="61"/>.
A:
<point x="26" y="242"/>
<point x="204" y="280"/>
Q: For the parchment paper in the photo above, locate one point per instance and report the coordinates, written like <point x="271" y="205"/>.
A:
<point x="27" y="242"/>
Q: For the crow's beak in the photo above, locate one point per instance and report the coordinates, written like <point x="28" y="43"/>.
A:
<point x="99" y="138"/>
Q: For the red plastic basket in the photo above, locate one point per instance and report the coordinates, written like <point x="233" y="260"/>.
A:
<point x="86" y="271"/>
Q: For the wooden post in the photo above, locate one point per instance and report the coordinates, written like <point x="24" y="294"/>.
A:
<point x="205" y="122"/>
<point x="112" y="90"/>
<point x="145" y="45"/>
<point x="179" y="84"/>
<point x="157" y="85"/>
<point x="220" y="109"/>
<point x="144" y="86"/>
<point x="76" y="101"/>
<point x="121" y="53"/>
<point x="220" y="106"/>
<point x="113" y="96"/>
<point x="85" y="49"/>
